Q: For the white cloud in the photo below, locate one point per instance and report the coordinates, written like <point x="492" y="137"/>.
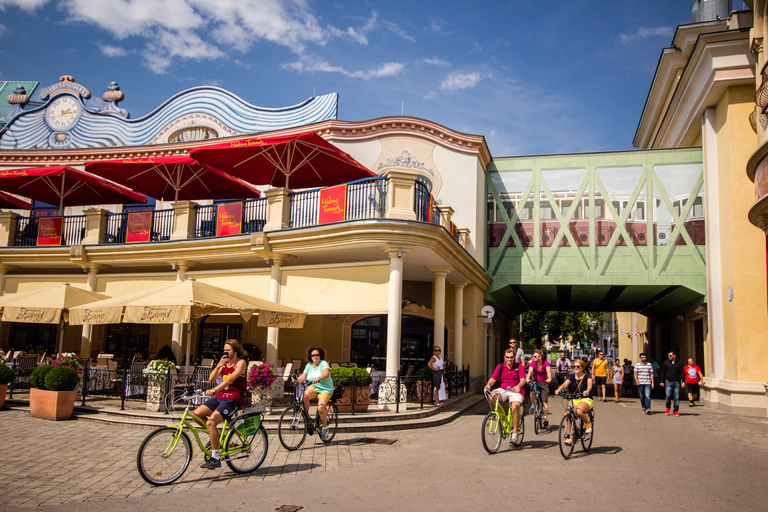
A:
<point x="395" y="29"/>
<point x="113" y="51"/>
<point x="312" y="65"/>
<point x="646" y="33"/>
<point x="27" y="5"/>
<point x="435" y="61"/>
<point x="457" y="81"/>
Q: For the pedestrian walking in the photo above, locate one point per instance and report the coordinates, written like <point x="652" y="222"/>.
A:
<point x="600" y="374"/>
<point x="671" y="379"/>
<point x="655" y="374"/>
<point x="628" y="373"/>
<point x="693" y="376"/>
<point x="644" y="382"/>
<point x="519" y="354"/>
<point x="618" y="380"/>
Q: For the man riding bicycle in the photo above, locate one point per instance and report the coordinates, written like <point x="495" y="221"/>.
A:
<point x="539" y="372"/>
<point x="563" y="368"/>
<point x="511" y="375"/>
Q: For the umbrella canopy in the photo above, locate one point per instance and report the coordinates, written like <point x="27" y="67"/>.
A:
<point x="304" y="160"/>
<point x="13" y="202"/>
<point x="65" y="186"/>
<point x="181" y="302"/>
<point x="177" y="177"/>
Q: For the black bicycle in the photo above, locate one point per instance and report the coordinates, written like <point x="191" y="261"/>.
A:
<point x="537" y="408"/>
<point x="295" y="423"/>
<point x="572" y="428"/>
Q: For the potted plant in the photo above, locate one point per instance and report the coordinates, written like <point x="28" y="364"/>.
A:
<point x="261" y="378"/>
<point x="166" y="353"/>
<point x="158" y="386"/>
<point x="424" y="384"/>
<point x="343" y="377"/>
<point x="74" y="361"/>
<point x="6" y="377"/>
<point x="52" y="396"/>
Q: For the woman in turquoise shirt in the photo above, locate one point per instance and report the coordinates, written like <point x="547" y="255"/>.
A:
<point x="318" y="374"/>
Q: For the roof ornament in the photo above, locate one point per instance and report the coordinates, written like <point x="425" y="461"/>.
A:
<point x="113" y="96"/>
<point x="19" y="100"/>
<point x="404" y="159"/>
<point x="66" y="84"/>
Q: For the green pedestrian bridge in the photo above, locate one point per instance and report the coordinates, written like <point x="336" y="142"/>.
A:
<point x="619" y="231"/>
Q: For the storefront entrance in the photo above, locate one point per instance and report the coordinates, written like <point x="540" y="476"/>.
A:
<point x="212" y="337"/>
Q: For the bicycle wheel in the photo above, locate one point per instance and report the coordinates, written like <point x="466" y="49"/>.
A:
<point x="566" y="450"/>
<point x="540" y="415"/>
<point x="164" y="456"/>
<point x="246" y="453"/>
<point x="536" y="418"/>
<point x="521" y="432"/>
<point x="292" y="428"/>
<point x="491" y="433"/>
<point x="333" y="423"/>
<point x="586" y="439"/>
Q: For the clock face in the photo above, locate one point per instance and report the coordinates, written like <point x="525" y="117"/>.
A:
<point x="63" y="113"/>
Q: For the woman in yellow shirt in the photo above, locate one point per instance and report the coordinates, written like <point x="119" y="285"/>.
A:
<point x="600" y="373"/>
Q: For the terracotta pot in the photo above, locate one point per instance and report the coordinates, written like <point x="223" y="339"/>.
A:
<point x="363" y="399"/>
<point x="3" y="389"/>
<point x="424" y="391"/>
<point x="51" y="405"/>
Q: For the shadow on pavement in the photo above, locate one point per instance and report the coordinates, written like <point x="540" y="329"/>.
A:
<point x="610" y="450"/>
<point x="539" y="444"/>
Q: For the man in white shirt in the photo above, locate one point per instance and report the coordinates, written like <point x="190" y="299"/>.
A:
<point x="519" y="354"/>
<point x="644" y="382"/>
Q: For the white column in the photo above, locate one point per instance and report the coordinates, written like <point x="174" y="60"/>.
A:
<point x="273" y="339"/>
<point x="85" y="339"/>
<point x="394" y="315"/>
<point x="458" y="321"/>
<point x="178" y="329"/>
<point x="439" y="306"/>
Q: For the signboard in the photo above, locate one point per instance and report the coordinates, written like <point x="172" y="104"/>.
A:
<point x="229" y="219"/>
<point x="49" y="230"/>
<point x="333" y="204"/>
<point x="139" y="227"/>
<point x="284" y="320"/>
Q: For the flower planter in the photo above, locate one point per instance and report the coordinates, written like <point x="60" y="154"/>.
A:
<point x="156" y="391"/>
<point x="3" y="389"/>
<point x="424" y="391"/>
<point x="362" y="399"/>
<point x="261" y="395"/>
<point x="51" y="405"/>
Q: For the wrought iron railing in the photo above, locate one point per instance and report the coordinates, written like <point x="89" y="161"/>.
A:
<point x="72" y="230"/>
<point x="254" y="217"/>
<point x="303" y="208"/>
<point x="117" y="226"/>
<point x="367" y="199"/>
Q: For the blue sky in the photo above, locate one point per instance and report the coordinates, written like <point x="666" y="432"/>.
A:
<point x="532" y="77"/>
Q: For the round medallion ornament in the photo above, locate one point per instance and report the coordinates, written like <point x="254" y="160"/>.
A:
<point x="63" y="113"/>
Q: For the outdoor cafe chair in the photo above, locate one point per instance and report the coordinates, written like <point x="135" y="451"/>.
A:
<point x="114" y="376"/>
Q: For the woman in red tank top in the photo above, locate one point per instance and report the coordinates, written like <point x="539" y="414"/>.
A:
<point x="228" y="396"/>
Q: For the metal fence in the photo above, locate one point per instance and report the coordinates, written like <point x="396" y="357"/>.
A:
<point x="117" y="226"/>
<point x="253" y="221"/>
<point x="72" y="230"/>
<point x="303" y="208"/>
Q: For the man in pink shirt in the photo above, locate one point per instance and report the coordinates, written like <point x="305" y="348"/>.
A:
<point x="511" y="375"/>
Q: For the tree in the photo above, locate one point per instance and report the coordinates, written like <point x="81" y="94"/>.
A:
<point x="560" y="326"/>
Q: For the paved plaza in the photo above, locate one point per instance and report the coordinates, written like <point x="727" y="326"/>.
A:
<point x="704" y="459"/>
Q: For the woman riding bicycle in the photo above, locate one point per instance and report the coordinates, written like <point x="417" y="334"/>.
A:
<point x="579" y="383"/>
<point x="318" y="374"/>
<point x="539" y="372"/>
<point x="228" y="396"/>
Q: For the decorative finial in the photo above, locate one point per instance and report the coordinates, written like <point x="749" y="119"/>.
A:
<point x="113" y="94"/>
<point x="67" y="78"/>
<point x="19" y="96"/>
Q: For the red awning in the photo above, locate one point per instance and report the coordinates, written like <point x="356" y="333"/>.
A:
<point x="304" y="160"/>
<point x="13" y="202"/>
<point x="65" y="186"/>
<point x="173" y="178"/>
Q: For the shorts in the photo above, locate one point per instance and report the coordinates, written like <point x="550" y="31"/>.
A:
<point x="326" y="396"/>
<point x="544" y="389"/>
<point x="509" y="395"/>
<point x="600" y="381"/>
<point x="225" y="406"/>
<point x="589" y="402"/>
<point x="692" y="387"/>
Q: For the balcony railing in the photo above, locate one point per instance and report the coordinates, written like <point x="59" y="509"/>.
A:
<point x="72" y="230"/>
<point x="117" y="227"/>
<point x="254" y="217"/>
<point x="365" y="199"/>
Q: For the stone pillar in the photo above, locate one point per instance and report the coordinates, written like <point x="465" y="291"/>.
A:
<point x="446" y="212"/>
<point x="183" y="220"/>
<point x="464" y="239"/>
<point x="95" y="226"/>
<point x="273" y="333"/>
<point x="401" y="190"/>
<point x="278" y="209"/>
<point x="458" y="320"/>
<point x="8" y="228"/>
<point x="439" y="305"/>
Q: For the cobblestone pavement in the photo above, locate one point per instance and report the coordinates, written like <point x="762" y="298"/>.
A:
<point x="656" y="461"/>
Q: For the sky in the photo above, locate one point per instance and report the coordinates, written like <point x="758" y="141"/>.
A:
<point x="531" y="77"/>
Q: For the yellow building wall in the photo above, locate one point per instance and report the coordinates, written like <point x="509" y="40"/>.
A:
<point x="745" y="322"/>
<point x="624" y="321"/>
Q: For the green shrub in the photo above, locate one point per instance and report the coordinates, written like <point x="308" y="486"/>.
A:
<point x="61" y="378"/>
<point x="343" y="376"/>
<point x="38" y="376"/>
<point x="6" y="374"/>
<point x="424" y="372"/>
<point x="166" y="352"/>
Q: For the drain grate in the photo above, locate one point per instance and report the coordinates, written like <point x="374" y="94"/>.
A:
<point x="376" y="440"/>
<point x="288" y="508"/>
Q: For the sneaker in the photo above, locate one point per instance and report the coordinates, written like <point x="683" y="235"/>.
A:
<point x="568" y="440"/>
<point x="667" y="411"/>
<point x="645" y="411"/>
<point x="211" y="464"/>
<point x="677" y="414"/>
<point x="324" y="433"/>
<point x="588" y="429"/>
<point x="546" y="423"/>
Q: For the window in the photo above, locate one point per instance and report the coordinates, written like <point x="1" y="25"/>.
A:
<point x="676" y="205"/>
<point x="546" y="211"/>
<point x="640" y="211"/>
<point x="491" y="209"/>
<point x="698" y="207"/>
<point x="526" y="212"/>
<point x="599" y="209"/>
<point x="565" y="205"/>
<point x="125" y="340"/>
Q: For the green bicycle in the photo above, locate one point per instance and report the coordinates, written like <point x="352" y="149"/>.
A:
<point x="497" y="425"/>
<point x="165" y="454"/>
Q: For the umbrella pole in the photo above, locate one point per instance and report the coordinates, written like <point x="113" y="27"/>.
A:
<point x="189" y="336"/>
<point x="60" y="334"/>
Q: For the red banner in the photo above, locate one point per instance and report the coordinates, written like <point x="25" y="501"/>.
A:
<point x="333" y="204"/>
<point x="139" y="227"/>
<point x="229" y="219"/>
<point x="49" y="230"/>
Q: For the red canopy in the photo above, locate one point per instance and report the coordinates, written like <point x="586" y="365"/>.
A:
<point x="13" y="202"/>
<point x="176" y="177"/>
<point x="65" y="186"/>
<point x="305" y="160"/>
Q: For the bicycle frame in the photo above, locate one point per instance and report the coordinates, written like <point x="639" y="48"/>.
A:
<point x="505" y="419"/>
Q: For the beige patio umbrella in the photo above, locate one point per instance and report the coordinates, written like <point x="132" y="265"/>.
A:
<point x="46" y="306"/>
<point x="184" y="302"/>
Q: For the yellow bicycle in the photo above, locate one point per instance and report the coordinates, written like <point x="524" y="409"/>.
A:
<point x="497" y="425"/>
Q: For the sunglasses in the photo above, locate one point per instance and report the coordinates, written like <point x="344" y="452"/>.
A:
<point x="437" y="350"/>
<point x="505" y="357"/>
<point x="315" y="355"/>
<point x="577" y="366"/>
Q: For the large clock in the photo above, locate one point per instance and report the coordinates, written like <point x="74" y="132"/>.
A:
<point x="63" y="113"/>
